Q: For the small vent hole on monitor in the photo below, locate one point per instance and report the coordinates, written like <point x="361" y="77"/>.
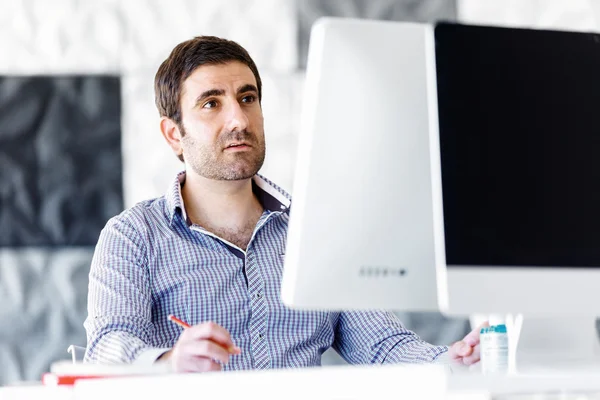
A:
<point x="381" y="272"/>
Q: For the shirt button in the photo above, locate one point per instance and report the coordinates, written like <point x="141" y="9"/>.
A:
<point x="260" y="336"/>
<point x="259" y="295"/>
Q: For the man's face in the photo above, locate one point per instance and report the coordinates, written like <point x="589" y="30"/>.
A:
<point x="222" y="122"/>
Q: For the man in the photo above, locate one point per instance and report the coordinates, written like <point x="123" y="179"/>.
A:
<point x="210" y="250"/>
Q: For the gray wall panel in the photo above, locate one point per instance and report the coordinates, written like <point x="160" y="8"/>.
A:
<point x="44" y="296"/>
<point x="60" y="159"/>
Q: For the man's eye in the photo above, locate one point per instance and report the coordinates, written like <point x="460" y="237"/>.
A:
<point x="210" y="104"/>
<point x="249" y="99"/>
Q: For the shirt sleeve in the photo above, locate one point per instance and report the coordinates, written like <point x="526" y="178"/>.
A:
<point x="378" y="337"/>
<point x="119" y="324"/>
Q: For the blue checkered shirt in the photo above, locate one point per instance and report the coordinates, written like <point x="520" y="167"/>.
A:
<point x="151" y="261"/>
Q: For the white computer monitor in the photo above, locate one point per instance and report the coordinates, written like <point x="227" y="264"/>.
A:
<point x="519" y="126"/>
<point x="364" y="230"/>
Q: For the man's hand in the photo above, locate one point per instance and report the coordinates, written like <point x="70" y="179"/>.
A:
<point x="466" y="351"/>
<point x="201" y="348"/>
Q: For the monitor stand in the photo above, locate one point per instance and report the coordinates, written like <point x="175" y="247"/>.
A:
<point x="543" y="344"/>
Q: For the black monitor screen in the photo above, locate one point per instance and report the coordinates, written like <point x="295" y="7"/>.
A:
<point x="519" y="120"/>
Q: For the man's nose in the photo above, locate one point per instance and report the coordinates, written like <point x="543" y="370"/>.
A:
<point x="237" y="118"/>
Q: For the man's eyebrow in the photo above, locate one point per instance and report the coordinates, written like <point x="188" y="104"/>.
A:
<point x="209" y="93"/>
<point x="247" y="88"/>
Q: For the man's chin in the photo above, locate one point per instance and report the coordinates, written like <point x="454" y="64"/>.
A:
<point x="229" y="171"/>
<point x="242" y="171"/>
<point x="239" y="174"/>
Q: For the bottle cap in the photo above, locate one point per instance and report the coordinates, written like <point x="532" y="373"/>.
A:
<point x="495" y="328"/>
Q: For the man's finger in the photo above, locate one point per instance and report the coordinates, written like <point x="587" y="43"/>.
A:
<point x="206" y="348"/>
<point x="210" y="331"/>
<point x="473" y="337"/>
<point x="473" y="357"/>
<point x="461" y="349"/>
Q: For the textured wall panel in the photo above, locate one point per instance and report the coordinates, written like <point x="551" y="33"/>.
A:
<point x="266" y="28"/>
<point x="44" y="295"/>
<point x="579" y="15"/>
<point x="149" y="166"/>
<point x="60" y="36"/>
<point x="108" y="36"/>
<point x="282" y="102"/>
<point x="389" y="10"/>
<point x="60" y="162"/>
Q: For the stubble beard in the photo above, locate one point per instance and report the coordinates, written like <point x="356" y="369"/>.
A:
<point x="215" y="164"/>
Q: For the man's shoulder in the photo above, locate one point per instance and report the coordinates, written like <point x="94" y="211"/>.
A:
<point x="143" y="214"/>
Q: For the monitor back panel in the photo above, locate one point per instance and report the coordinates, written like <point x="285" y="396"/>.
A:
<point x="364" y="231"/>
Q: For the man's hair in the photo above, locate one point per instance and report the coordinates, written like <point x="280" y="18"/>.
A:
<point x="183" y="60"/>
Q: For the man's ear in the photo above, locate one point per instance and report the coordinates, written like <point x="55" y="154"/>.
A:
<point x="172" y="134"/>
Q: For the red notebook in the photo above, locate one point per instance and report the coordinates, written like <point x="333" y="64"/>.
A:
<point x="50" y="379"/>
<point x="67" y="373"/>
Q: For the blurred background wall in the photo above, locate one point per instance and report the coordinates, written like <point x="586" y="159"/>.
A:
<point x="79" y="138"/>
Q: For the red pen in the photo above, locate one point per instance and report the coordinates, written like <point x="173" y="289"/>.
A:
<point x="179" y="322"/>
<point x="232" y="349"/>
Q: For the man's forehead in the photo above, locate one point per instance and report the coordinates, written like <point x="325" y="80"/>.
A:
<point x="220" y="76"/>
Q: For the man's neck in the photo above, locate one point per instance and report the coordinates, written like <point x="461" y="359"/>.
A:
<point x="227" y="208"/>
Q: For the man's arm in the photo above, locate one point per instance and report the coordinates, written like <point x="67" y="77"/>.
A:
<point x="119" y="325"/>
<point x="377" y="337"/>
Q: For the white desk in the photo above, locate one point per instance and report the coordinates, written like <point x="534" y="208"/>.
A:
<point x="401" y="382"/>
<point x="548" y="383"/>
<point x="37" y="392"/>
<point x="344" y="382"/>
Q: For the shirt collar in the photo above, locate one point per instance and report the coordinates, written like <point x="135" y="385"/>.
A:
<point x="271" y="196"/>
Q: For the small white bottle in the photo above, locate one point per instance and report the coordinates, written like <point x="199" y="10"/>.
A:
<point x="494" y="349"/>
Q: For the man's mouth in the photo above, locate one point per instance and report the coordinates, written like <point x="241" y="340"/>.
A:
<point x="237" y="146"/>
